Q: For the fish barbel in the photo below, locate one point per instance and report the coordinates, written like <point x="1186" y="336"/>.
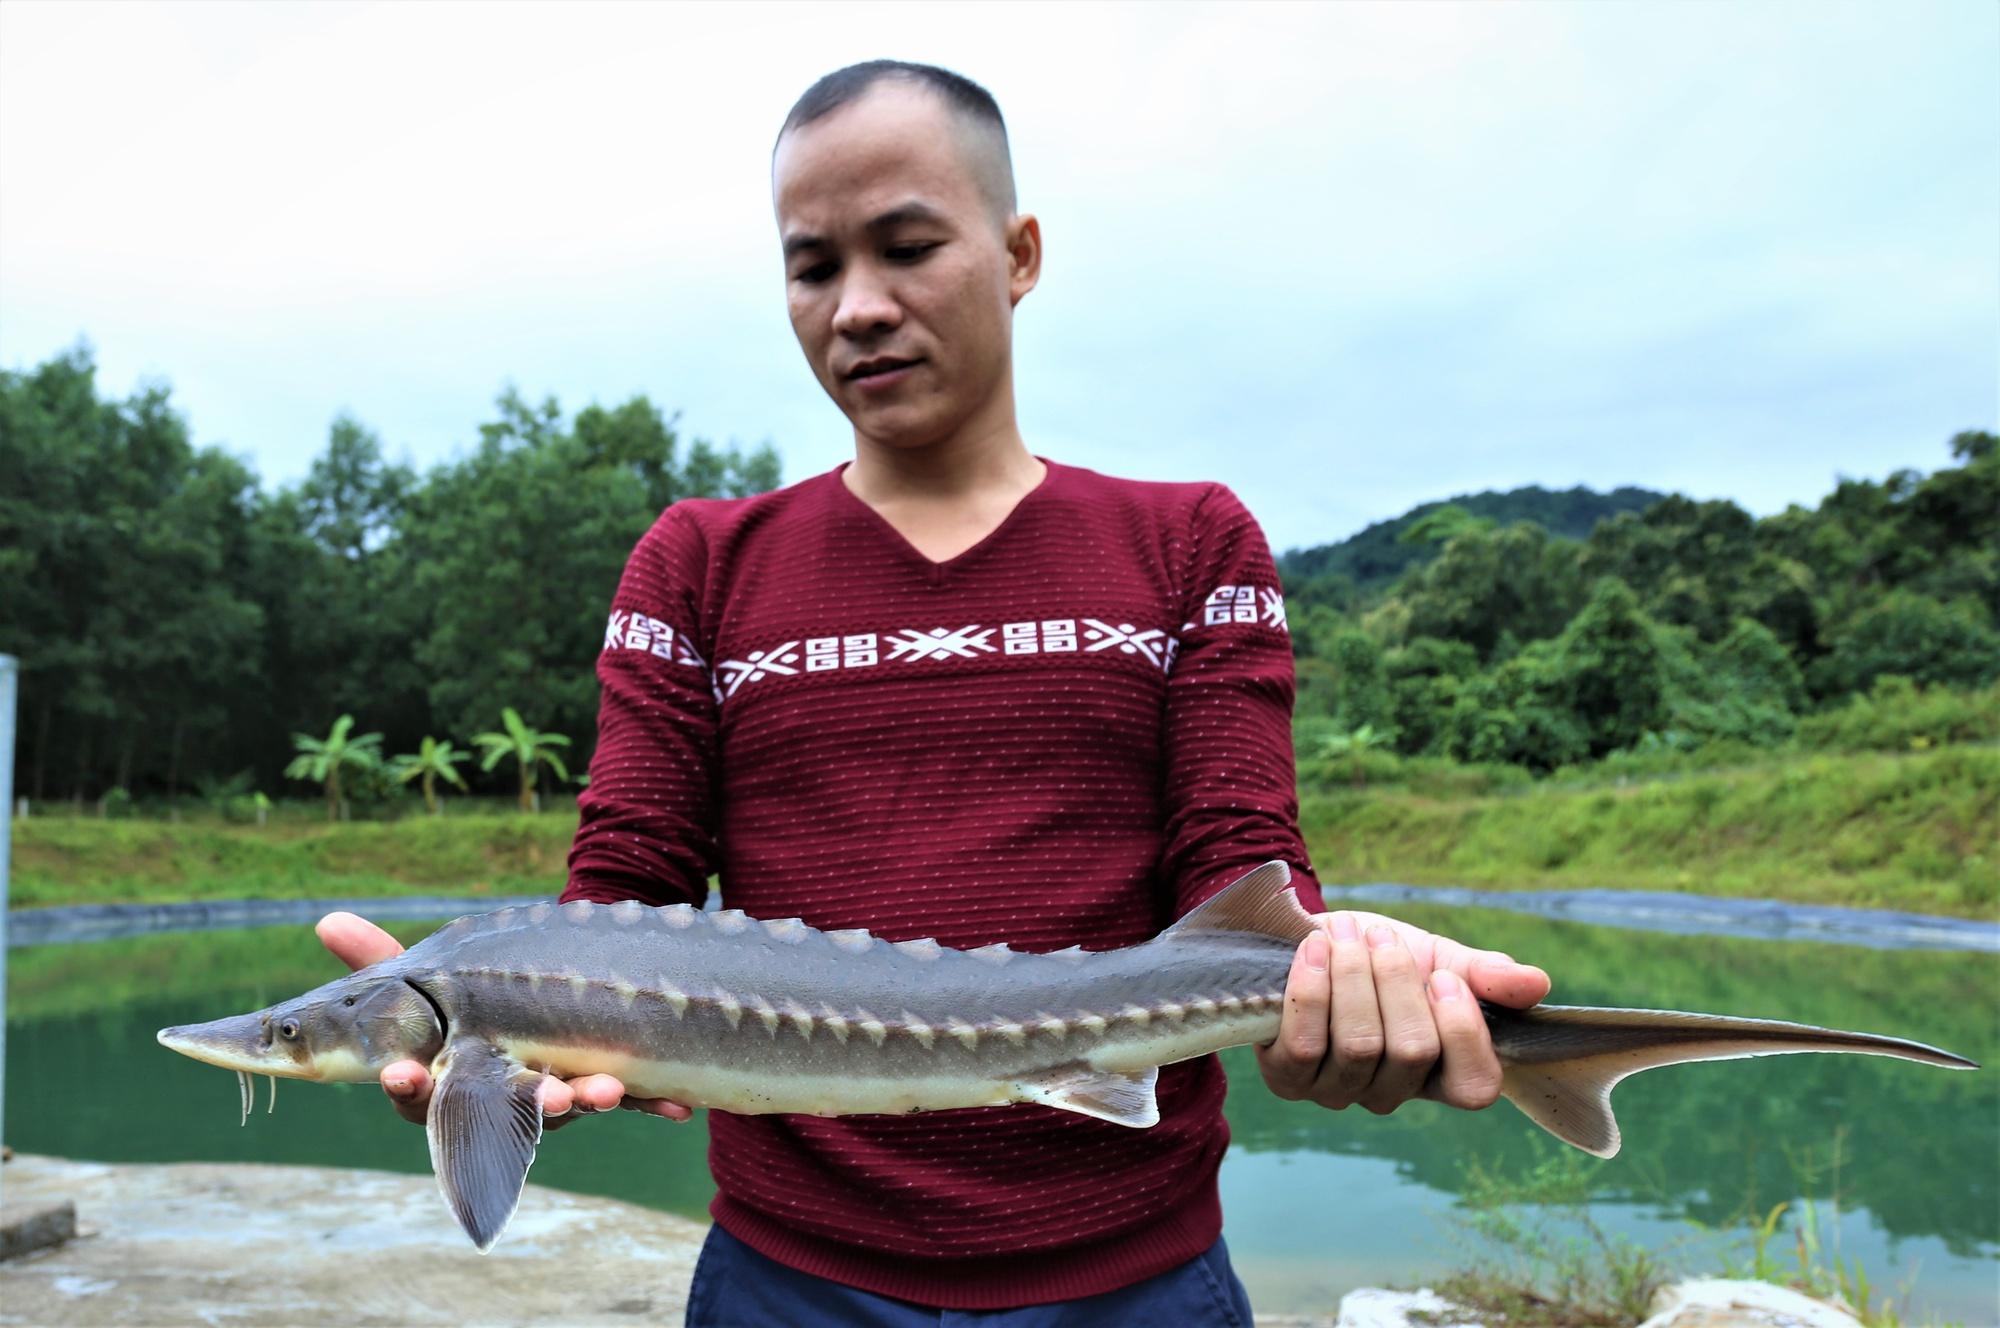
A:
<point x="723" y="1010"/>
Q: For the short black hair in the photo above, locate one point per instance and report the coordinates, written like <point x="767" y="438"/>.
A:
<point x="960" y="93"/>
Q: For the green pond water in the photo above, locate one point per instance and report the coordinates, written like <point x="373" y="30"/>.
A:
<point x="1317" y="1202"/>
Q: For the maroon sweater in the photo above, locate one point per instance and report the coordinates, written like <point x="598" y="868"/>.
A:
<point x="1071" y="733"/>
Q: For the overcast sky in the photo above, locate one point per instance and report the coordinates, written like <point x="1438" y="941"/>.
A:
<point x="1344" y="258"/>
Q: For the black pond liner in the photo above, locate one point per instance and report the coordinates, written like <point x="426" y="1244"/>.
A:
<point x="1704" y="915"/>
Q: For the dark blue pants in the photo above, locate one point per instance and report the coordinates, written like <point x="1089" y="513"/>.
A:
<point x="736" y="1287"/>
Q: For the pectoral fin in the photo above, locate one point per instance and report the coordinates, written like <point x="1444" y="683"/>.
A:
<point x="1122" y="1099"/>
<point x="484" y="1126"/>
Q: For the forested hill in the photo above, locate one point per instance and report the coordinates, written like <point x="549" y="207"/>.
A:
<point x="1377" y="555"/>
<point x="1682" y="625"/>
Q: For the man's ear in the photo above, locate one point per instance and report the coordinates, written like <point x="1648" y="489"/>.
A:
<point x="1024" y="255"/>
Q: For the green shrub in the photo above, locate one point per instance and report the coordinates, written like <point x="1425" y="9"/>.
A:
<point x="1897" y="715"/>
<point x="1914" y="635"/>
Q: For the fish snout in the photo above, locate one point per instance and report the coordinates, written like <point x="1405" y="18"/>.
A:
<point x="241" y="1042"/>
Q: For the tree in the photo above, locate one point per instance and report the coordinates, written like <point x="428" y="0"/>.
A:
<point x="1489" y="585"/>
<point x="1688" y="562"/>
<point x="1443" y="524"/>
<point x="1424" y="679"/>
<point x="1917" y="637"/>
<point x="530" y="750"/>
<point x="1362" y="697"/>
<point x="431" y="762"/>
<point x="122" y="582"/>
<point x="322" y="759"/>
<point x="514" y="552"/>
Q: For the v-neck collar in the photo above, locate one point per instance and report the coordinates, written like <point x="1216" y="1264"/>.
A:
<point x="935" y="570"/>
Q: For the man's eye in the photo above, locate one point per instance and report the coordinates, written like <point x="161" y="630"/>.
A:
<point x="909" y="251"/>
<point x="815" y="274"/>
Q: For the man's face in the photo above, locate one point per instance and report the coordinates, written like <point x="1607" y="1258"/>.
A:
<point x="893" y="252"/>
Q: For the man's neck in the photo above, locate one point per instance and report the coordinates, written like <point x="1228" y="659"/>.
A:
<point x="949" y="496"/>
<point x="969" y="467"/>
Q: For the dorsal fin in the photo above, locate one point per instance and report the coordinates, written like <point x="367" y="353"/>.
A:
<point x="1261" y="902"/>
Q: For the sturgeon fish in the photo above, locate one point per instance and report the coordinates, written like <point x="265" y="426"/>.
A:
<point x="723" y="1010"/>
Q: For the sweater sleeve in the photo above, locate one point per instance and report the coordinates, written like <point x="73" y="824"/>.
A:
<point x="647" y="825"/>
<point x="1231" y="789"/>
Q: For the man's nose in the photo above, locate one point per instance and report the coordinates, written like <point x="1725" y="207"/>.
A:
<point x="866" y="304"/>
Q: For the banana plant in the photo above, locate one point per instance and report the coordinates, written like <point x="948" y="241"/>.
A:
<point x="322" y="759"/>
<point x="530" y="748"/>
<point x="1353" y="746"/>
<point x="432" y="761"/>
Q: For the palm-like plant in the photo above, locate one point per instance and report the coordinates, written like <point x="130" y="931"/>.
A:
<point x="1353" y="746"/>
<point x="431" y="762"/>
<point x="322" y="759"/>
<point x="529" y="748"/>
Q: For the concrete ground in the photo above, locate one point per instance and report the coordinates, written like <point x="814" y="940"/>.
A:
<point x="270" y="1247"/>
<point x="214" y="1244"/>
<point x="199" y="1243"/>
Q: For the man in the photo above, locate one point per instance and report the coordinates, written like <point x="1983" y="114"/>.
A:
<point x="952" y="689"/>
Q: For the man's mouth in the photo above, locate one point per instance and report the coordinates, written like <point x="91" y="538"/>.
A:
<point x="868" y="369"/>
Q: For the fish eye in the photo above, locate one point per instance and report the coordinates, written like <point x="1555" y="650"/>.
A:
<point x="348" y="1001"/>
<point x="289" y="1030"/>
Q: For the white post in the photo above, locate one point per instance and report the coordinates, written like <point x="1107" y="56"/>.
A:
<point x="9" y="678"/>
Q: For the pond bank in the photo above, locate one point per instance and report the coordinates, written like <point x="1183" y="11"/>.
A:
<point x="1643" y="910"/>
<point x="1700" y="915"/>
<point x="1872" y="830"/>
<point x="1907" y="830"/>
<point x="200" y="1243"/>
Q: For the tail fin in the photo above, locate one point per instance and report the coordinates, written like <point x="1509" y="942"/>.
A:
<point x="1560" y="1062"/>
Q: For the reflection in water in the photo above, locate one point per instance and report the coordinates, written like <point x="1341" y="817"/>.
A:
<point x="1317" y="1202"/>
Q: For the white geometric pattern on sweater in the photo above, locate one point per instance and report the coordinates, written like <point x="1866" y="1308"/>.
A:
<point x="835" y="652"/>
<point x="1245" y="604"/>
<point x="761" y="664"/>
<point x="861" y="650"/>
<point x="1129" y="640"/>
<point x="1050" y="636"/>
<point x="637" y="631"/>
<point x="940" y="643"/>
<point x="1230" y="604"/>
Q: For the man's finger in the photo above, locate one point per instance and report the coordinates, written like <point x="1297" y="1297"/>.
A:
<point x="408" y="1085"/>
<point x="659" y="1106"/>
<point x="558" y="1103"/>
<point x="1292" y="1061"/>
<point x="1468" y="1073"/>
<point x="1409" y="1035"/>
<point x="1496" y="977"/>
<point x="356" y="941"/>
<point x="597" y="1092"/>
<point x="1357" y="1019"/>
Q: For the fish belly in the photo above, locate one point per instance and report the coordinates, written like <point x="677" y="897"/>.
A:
<point x="752" y="1091"/>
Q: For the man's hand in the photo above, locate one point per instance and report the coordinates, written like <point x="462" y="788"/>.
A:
<point x="357" y="942"/>
<point x="1378" y="1012"/>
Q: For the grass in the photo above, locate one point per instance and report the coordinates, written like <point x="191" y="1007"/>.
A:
<point x="1797" y="1244"/>
<point x="1548" y="1263"/>
<point x="1910" y="830"/>
<point x="1879" y="830"/>
<point x="90" y="861"/>
<point x="1539" y="1273"/>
